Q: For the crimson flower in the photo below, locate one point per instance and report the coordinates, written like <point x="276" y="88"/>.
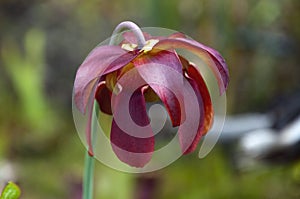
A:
<point x="106" y="65"/>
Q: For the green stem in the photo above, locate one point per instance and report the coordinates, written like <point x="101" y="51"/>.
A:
<point x="88" y="177"/>
<point x="89" y="162"/>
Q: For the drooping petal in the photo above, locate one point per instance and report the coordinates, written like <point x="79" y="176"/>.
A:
<point x="204" y="101"/>
<point x="188" y="140"/>
<point x="133" y="150"/>
<point x="161" y="81"/>
<point x="209" y="55"/>
<point x="88" y="128"/>
<point x="203" y="90"/>
<point x="100" y="61"/>
<point x="103" y="97"/>
<point x="171" y="103"/>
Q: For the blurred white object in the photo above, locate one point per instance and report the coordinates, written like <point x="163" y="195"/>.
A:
<point x="256" y="142"/>
<point x="238" y="125"/>
<point x="290" y="134"/>
<point x="7" y="173"/>
<point x="263" y="141"/>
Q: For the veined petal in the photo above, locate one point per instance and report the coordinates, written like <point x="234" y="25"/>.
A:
<point x="209" y="55"/>
<point x="205" y="105"/>
<point x="100" y="61"/>
<point x="156" y="70"/>
<point x="171" y="103"/>
<point x="188" y="140"/>
<point x="135" y="151"/>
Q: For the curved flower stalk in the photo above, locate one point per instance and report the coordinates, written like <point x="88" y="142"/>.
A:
<point x="147" y="63"/>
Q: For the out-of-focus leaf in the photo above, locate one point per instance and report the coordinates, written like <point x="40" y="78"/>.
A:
<point x="11" y="191"/>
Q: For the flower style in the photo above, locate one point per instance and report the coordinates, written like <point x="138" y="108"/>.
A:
<point x="106" y="65"/>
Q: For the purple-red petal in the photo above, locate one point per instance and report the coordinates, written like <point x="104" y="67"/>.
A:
<point x="205" y="105"/>
<point x="156" y="70"/>
<point x="133" y="150"/>
<point x="209" y="55"/>
<point x="171" y="103"/>
<point x="203" y="90"/>
<point x="187" y="137"/>
<point x="100" y="61"/>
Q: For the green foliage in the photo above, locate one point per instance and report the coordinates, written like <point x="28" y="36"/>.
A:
<point x="11" y="191"/>
<point x="26" y="71"/>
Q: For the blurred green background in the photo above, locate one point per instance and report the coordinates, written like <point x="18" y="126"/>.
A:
<point x="42" y="43"/>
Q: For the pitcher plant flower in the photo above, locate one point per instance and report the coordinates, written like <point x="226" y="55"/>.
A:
<point x="98" y="77"/>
